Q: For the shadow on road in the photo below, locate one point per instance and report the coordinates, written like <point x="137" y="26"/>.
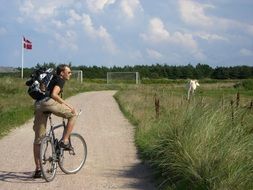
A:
<point x="16" y="177"/>
<point x="141" y="177"/>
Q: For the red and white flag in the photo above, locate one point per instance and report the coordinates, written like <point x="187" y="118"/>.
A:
<point x="27" y="43"/>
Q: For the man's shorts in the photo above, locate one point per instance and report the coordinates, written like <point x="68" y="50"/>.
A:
<point x="40" y="119"/>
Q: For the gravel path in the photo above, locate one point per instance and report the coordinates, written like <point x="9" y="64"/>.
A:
<point x="112" y="161"/>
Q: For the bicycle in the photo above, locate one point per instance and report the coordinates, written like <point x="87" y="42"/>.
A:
<point x="70" y="161"/>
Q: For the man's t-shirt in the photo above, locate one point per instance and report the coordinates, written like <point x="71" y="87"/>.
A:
<point x="56" y="81"/>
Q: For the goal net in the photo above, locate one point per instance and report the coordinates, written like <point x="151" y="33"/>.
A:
<point x="123" y="77"/>
<point x="78" y="75"/>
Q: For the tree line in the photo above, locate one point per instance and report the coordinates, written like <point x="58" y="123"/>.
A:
<point x="159" y="71"/>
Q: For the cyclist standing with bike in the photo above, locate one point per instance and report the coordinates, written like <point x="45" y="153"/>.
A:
<point x="55" y="104"/>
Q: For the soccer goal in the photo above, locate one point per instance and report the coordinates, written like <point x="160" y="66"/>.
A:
<point x="123" y="77"/>
<point x="78" y="75"/>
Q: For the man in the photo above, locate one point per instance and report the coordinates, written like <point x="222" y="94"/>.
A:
<point x="55" y="104"/>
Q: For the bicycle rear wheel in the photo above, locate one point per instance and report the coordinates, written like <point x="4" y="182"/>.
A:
<point x="72" y="161"/>
<point x="47" y="159"/>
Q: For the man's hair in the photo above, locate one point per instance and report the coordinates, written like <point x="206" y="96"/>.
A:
<point x="61" y="68"/>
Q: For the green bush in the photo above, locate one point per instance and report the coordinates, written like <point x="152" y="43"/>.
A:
<point x="162" y="81"/>
<point x="247" y="84"/>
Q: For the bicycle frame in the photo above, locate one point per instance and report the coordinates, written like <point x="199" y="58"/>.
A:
<point x="63" y="124"/>
<point x="58" y="154"/>
<point x="52" y="127"/>
<point x="51" y="133"/>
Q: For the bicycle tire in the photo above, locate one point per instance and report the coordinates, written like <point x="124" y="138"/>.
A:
<point x="72" y="161"/>
<point x="47" y="160"/>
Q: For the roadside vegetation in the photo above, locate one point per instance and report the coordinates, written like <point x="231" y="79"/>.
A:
<point x="204" y="143"/>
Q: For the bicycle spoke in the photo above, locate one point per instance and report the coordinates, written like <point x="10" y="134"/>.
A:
<point x="73" y="160"/>
<point x="48" y="164"/>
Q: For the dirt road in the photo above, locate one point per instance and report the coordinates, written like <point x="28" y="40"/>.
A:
<point x="112" y="161"/>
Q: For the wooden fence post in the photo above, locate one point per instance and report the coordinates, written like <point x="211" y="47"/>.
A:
<point x="232" y="109"/>
<point x="237" y="99"/>
<point x="157" y="106"/>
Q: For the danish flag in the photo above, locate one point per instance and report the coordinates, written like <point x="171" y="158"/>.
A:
<point x="27" y="43"/>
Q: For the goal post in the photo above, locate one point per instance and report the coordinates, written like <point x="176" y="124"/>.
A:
<point x="123" y="77"/>
<point x="78" y="74"/>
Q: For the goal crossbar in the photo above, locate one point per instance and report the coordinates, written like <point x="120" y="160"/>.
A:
<point x="122" y="77"/>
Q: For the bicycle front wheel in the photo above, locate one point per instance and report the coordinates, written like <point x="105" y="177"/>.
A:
<point x="47" y="159"/>
<point x="73" y="160"/>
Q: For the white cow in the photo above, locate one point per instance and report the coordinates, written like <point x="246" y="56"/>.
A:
<point x="192" y="85"/>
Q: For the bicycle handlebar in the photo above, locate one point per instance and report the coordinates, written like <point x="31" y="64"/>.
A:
<point x="80" y="112"/>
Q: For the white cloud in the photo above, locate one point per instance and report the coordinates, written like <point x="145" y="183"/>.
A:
<point x="27" y="7"/>
<point x="185" y="28"/>
<point x="211" y="37"/>
<point x="109" y="45"/>
<point x="249" y="29"/>
<point x="185" y="40"/>
<point x="246" y="52"/>
<point x="73" y="17"/>
<point x="154" y="54"/>
<point x="54" y="11"/>
<point x="38" y="11"/>
<point x="43" y="10"/>
<point x="58" y="23"/>
<point x="67" y="40"/>
<point x="100" y="33"/>
<point x="157" y="33"/>
<point x="129" y="7"/>
<point x="194" y="13"/>
<point x="227" y="25"/>
<point x="98" y="5"/>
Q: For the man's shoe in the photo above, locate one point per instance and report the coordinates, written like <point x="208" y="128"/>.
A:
<point x="65" y="146"/>
<point x="37" y="174"/>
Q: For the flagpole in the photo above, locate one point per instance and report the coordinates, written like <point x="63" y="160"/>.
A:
<point x="22" y="74"/>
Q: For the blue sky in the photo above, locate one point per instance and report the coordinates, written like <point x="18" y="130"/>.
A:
<point x="127" y="32"/>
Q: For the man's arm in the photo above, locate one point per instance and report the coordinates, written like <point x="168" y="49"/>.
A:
<point x="55" y="95"/>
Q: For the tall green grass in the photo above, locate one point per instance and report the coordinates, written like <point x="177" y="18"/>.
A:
<point x="15" y="105"/>
<point x="196" y="144"/>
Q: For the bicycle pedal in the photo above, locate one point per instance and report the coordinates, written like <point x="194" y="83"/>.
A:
<point x="72" y="152"/>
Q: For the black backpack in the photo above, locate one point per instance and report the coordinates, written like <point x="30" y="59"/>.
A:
<point x="38" y="83"/>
